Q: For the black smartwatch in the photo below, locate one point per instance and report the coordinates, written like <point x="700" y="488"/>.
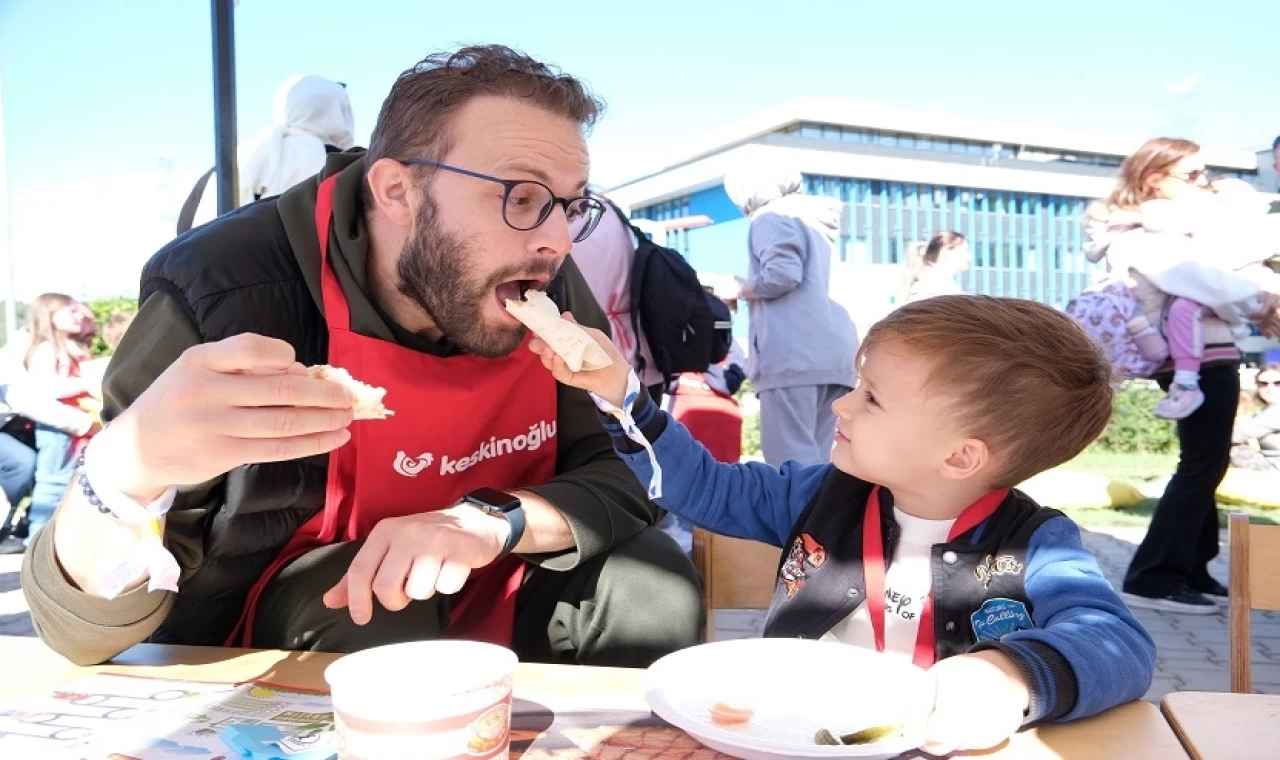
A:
<point x="496" y="502"/>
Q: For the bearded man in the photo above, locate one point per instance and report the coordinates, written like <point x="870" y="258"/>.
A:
<point x="489" y="506"/>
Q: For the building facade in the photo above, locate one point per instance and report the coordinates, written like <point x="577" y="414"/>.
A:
<point x="1018" y="193"/>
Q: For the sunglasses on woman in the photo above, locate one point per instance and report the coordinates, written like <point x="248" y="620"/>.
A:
<point x="1193" y="177"/>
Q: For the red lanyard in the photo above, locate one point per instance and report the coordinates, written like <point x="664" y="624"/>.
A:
<point x="874" y="569"/>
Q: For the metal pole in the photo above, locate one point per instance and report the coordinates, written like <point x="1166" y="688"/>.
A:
<point x="224" y="104"/>
<point x="6" y="237"/>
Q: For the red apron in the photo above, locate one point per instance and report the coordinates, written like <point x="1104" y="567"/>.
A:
<point x="713" y="419"/>
<point x="457" y="427"/>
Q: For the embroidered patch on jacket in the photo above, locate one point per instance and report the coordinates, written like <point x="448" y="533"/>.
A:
<point x="804" y="552"/>
<point x="992" y="566"/>
<point x="999" y="617"/>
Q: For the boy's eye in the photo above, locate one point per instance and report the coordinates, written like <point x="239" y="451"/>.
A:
<point x="871" y="399"/>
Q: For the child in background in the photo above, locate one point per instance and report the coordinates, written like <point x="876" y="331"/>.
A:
<point x="960" y="398"/>
<point x="1213" y="243"/>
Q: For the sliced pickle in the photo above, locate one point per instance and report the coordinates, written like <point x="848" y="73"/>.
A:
<point x="873" y="734"/>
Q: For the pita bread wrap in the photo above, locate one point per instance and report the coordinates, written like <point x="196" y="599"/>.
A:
<point x="569" y="341"/>
<point x="368" y="403"/>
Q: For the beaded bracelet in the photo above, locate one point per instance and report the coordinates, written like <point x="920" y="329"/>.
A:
<point x="87" y="489"/>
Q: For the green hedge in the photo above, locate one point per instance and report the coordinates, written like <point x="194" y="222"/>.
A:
<point x="103" y="308"/>
<point x="1134" y="426"/>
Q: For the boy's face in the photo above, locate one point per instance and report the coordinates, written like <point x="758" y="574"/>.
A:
<point x="894" y="432"/>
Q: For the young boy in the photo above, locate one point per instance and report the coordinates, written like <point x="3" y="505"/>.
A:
<point x="959" y="399"/>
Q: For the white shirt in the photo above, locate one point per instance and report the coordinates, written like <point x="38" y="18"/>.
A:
<point x="907" y="583"/>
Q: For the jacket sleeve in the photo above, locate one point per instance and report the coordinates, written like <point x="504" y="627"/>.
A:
<point x="29" y="400"/>
<point x="84" y="628"/>
<point x="592" y="488"/>
<point x="1087" y="653"/>
<point x="1173" y="264"/>
<point x="778" y="242"/>
<point x="1260" y="425"/>
<point x="748" y="500"/>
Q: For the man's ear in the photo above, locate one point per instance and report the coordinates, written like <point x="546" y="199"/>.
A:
<point x="393" y="191"/>
<point x="969" y="457"/>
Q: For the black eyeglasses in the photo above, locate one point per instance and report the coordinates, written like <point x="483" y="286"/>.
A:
<point x="527" y="203"/>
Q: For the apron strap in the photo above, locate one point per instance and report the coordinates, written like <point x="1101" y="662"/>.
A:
<point x="336" y="314"/>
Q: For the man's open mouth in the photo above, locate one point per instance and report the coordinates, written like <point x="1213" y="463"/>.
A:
<point x="515" y="290"/>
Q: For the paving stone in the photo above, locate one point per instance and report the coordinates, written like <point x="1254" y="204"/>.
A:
<point x="1203" y="680"/>
<point x="1161" y="687"/>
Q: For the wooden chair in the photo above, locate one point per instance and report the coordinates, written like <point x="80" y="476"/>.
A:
<point x="736" y="574"/>
<point x="1255" y="585"/>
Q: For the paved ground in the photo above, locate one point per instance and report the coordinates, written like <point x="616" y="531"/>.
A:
<point x="1193" y="651"/>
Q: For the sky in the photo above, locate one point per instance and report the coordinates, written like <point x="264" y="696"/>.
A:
<point x="108" y="106"/>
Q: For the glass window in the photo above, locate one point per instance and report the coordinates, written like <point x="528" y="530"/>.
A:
<point x="885" y="138"/>
<point x="811" y="131"/>
<point x="924" y="143"/>
<point x="830" y="133"/>
<point x="907" y="141"/>
<point x="849" y="135"/>
<point x="958" y="146"/>
<point x="977" y="149"/>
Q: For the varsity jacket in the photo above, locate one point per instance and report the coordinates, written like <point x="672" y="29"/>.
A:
<point x="1020" y="582"/>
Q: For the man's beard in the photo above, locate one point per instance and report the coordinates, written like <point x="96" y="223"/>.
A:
<point x="437" y="271"/>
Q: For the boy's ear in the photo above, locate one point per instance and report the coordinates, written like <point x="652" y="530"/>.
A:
<point x="968" y="459"/>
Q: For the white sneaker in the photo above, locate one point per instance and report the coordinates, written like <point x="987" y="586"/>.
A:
<point x="1180" y="403"/>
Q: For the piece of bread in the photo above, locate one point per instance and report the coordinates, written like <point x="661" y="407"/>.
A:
<point x="568" y="340"/>
<point x="368" y="404"/>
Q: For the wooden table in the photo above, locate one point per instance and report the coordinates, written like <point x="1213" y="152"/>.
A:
<point x="1219" y="725"/>
<point x="1135" y="731"/>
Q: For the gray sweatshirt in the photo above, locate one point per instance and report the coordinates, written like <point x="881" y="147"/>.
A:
<point x="798" y="334"/>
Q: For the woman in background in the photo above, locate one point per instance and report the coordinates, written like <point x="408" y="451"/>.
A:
<point x="933" y="267"/>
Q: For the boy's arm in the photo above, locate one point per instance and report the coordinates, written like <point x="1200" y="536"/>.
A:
<point x="752" y="500"/>
<point x="1087" y="652"/>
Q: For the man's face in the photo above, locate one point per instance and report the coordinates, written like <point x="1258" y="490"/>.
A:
<point x="462" y="261"/>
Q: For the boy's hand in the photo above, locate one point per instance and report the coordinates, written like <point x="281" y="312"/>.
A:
<point x="609" y="383"/>
<point x="980" y="701"/>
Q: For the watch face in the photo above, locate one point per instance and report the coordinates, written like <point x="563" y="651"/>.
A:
<point x="500" y="501"/>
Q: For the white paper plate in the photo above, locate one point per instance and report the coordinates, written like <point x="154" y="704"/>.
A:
<point x="794" y="687"/>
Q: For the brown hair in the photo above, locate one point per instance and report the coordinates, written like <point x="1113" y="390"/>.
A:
<point x="114" y="328"/>
<point x="1028" y="381"/>
<point x="414" y="118"/>
<point x="1154" y="159"/>
<point x="921" y="256"/>
<point x="40" y="326"/>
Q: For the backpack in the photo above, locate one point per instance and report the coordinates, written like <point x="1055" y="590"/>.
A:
<point x="687" y="328"/>
<point x="1104" y="311"/>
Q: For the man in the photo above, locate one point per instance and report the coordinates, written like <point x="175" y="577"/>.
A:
<point x="392" y="264"/>
<point x="802" y="343"/>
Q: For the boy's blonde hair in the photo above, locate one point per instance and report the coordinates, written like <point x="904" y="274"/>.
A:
<point x="1028" y="381"/>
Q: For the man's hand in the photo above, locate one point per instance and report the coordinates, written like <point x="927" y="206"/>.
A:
<point x="609" y="383"/>
<point x="417" y="556"/>
<point x="979" y="701"/>
<point x="219" y="406"/>
<point x="1268" y="318"/>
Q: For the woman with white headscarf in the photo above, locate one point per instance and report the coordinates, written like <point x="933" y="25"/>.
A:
<point x="311" y="118"/>
<point x="802" y="342"/>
